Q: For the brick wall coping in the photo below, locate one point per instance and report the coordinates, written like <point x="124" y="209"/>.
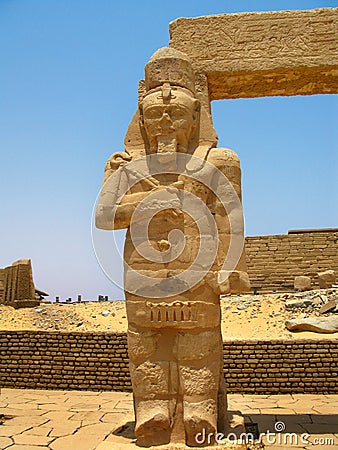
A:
<point x="251" y="341"/>
<point x="314" y="230"/>
<point x="292" y="232"/>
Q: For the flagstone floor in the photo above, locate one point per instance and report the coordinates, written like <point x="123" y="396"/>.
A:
<point x="82" y="420"/>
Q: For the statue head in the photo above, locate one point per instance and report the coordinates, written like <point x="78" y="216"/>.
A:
<point x="170" y="117"/>
<point x="169" y="110"/>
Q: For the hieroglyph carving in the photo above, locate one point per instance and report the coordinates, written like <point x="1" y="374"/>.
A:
<point x="179" y="198"/>
<point x="259" y="54"/>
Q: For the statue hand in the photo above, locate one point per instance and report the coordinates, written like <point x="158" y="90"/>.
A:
<point x="171" y="188"/>
<point x="119" y="159"/>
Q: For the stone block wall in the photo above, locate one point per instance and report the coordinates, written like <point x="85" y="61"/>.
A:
<point x="2" y="283"/>
<point x="280" y="367"/>
<point x="99" y="361"/>
<point x="274" y="261"/>
<point x="17" y="286"/>
<point x="53" y="360"/>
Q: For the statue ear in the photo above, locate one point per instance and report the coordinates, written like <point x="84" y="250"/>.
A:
<point x="141" y="118"/>
<point x="197" y="110"/>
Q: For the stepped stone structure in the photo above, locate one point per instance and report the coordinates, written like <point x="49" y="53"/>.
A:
<point x="17" y="286"/>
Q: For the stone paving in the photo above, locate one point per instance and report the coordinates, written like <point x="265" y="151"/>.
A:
<point x="82" y="420"/>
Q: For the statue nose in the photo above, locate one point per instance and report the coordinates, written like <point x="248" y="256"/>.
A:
<point x="166" y="119"/>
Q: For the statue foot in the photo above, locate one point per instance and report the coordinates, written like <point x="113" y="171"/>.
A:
<point x="154" y="431"/>
<point x="200" y="422"/>
<point x="199" y="432"/>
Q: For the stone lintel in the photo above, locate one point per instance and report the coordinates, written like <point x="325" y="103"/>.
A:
<point x="264" y="53"/>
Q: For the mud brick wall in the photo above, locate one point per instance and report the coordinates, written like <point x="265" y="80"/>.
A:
<point x="280" y="367"/>
<point x="52" y="360"/>
<point x="274" y="261"/>
<point x="99" y="361"/>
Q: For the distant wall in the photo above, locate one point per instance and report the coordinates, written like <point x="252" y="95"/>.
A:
<point x="17" y="286"/>
<point x="2" y="284"/>
<point x="274" y="261"/>
<point x="99" y="361"/>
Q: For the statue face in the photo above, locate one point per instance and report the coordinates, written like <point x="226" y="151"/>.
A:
<point x="169" y="122"/>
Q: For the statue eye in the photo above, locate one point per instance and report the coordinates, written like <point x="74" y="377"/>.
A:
<point x="179" y="113"/>
<point x="153" y="113"/>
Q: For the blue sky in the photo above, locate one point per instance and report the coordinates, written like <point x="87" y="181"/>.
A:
<point x="68" y="89"/>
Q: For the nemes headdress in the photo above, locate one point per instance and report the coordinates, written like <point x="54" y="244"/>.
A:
<point x="168" y="65"/>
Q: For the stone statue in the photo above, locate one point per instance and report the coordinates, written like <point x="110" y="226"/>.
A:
<point x="164" y="189"/>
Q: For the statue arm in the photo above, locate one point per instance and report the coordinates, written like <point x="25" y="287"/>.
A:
<point x="114" y="209"/>
<point x="230" y="222"/>
<point x="122" y="191"/>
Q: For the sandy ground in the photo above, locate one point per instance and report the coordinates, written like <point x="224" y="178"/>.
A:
<point x="243" y="316"/>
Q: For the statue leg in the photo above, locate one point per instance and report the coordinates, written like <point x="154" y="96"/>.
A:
<point x="200" y="396"/>
<point x="152" y="422"/>
<point x="150" y="381"/>
<point x="200" y="383"/>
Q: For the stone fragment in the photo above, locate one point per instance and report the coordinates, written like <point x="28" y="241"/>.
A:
<point x="326" y="279"/>
<point x="317" y="300"/>
<point x="302" y="283"/>
<point x="236" y="424"/>
<point x="318" y="325"/>
<point x="242" y="306"/>
<point x="298" y="303"/>
<point x="329" y="306"/>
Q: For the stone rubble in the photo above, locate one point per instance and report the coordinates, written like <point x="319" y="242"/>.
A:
<point x="302" y="283"/>
<point x="317" y="324"/>
<point x="320" y="306"/>
<point x="326" y="279"/>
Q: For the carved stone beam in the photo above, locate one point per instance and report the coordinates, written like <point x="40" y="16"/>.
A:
<point x="262" y="54"/>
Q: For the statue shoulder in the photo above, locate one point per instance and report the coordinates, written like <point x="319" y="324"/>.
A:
<point x="227" y="162"/>
<point x="221" y="157"/>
